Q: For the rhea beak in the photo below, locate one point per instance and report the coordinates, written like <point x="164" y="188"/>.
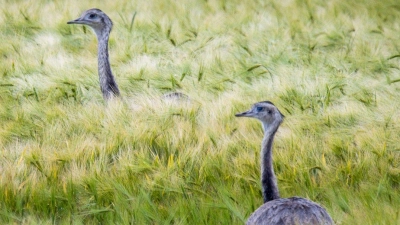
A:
<point x="245" y="114"/>
<point x="77" y="21"/>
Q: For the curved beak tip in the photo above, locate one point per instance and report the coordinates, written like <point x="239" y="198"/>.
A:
<point x="240" y="114"/>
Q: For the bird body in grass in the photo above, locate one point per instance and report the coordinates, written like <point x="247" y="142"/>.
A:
<point x="276" y="210"/>
<point x="102" y="26"/>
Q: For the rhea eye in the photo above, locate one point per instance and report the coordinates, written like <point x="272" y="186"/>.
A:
<point x="259" y="109"/>
<point x="92" y="16"/>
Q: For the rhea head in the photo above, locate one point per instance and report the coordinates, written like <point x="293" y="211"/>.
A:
<point x="267" y="113"/>
<point x="96" y="19"/>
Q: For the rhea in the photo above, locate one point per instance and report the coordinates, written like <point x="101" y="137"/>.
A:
<point x="101" y="25"/>
<point x="276" y="210"/>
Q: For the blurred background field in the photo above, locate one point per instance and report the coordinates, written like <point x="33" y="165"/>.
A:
<point x="332" y="67"/>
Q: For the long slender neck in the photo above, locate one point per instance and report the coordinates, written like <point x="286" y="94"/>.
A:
<point x="108" y="86"/>
<point x="268" y="180"/>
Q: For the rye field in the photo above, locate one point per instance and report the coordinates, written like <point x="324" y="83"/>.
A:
<point x="66" y="157"/>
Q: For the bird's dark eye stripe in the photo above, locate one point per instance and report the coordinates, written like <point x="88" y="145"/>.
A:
<point x="91" y="16"/>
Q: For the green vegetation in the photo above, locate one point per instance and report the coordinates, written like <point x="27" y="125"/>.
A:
<point x="332" y="67"/>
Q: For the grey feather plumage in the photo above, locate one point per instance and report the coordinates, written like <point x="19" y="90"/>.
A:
<point x="287" y="211"/>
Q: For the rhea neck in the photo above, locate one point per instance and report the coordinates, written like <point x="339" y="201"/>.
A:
<point x="108" y="86"/>
<point x="268" y="179"/>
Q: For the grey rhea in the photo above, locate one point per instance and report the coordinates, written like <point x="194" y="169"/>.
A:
<point x="101" y="25"/>
<point x="276" y="210"/>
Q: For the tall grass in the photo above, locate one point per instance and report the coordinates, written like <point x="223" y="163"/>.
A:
<point x="332" y="67"/>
